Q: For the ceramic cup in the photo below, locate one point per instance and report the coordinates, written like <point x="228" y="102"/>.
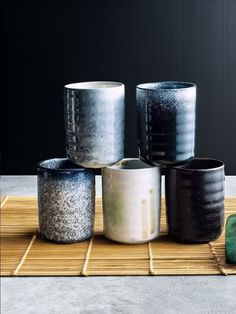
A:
<point x="166" y="121"/>
<point x="66" y="201"/>
<point x="94" y="120"/>
<point x="131" y="201"/>
<point x="195" y="200"/>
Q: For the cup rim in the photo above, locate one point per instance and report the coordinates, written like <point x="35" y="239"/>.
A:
<point x="75" y="168"/>
<point x="146" y="167"/>
<point x="182" y="167"/>
<point x="163" y="86"/>
<point x="93" y="85"/>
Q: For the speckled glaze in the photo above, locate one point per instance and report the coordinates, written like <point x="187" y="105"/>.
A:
<point x="195" y="200"/>
<point x="131" y="201"/>
<point x="166" y="121"/>
<point x="66" y="201"/>
<point x="230" y="239"/>
<point x="94" y="120"/>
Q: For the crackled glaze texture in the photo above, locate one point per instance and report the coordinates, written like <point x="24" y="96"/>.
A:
<point x="66" y="201"/>
<point x="230" y="239"/>
<point x="195" y="200"/>
<point x="94" y="120"/>
<point x="131" y="201"/>
<point x="166" y="121"/>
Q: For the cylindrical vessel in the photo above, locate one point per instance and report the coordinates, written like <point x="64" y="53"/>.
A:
<point x="94" y="122"/>
<point x="131" y="201"/>
<point x="195" y="200"/>
<point x="166" y="121"/>
<point x="66" y="201"/>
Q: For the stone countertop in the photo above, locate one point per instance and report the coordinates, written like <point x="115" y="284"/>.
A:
<point x="95" y="295"/>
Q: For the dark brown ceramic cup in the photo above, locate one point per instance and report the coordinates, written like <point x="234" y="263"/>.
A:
<point x="195" y="200"/>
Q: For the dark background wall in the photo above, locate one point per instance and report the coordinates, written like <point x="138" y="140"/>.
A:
<point x="46" y="44"/>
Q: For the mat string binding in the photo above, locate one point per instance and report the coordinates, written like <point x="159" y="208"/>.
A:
<point x="21" y="262"/>
<point x="4" y="201"/>
<point x="84" y="270"/>
<point x="151" y="269"/>
<point x="217" y="259"/>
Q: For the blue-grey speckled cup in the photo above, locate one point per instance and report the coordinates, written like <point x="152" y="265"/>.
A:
<point x="66" y="201"/>
<point x="166" y="121"/>
<point x="94" y="122"/>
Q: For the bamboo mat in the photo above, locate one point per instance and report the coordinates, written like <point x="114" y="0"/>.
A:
<point x="24" y="253"/>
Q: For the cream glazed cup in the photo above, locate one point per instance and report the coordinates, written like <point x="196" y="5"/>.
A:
<point x="131" y="201"/>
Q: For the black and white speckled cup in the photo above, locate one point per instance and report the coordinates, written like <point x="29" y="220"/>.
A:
<point x="195" y="200"/>
<point x="166" y="121"/>
<point x="94" y="122"/>
<point x="66" y="201"/>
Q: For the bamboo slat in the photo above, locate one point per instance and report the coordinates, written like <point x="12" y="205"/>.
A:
<point x="25" y="253"/>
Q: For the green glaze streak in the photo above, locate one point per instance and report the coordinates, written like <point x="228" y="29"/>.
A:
<point x="114" y="209"/>
<point x="144" y="218"/>
<point x="152" y="208"/>
<point x="230" y="239"/>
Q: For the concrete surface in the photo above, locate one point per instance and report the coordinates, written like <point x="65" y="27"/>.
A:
<point x="95" y="295"/>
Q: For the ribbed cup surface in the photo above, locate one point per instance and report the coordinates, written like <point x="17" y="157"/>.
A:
<point x="94" y="122"/>
<point x="195" y="203"/>
<point x="166" y="121"/>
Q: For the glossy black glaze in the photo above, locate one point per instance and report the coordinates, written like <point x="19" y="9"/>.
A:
<point x="195" y="200"/>
<point x="166" y="121"/>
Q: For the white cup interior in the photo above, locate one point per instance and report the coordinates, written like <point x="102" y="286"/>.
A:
<point x="130" y="164"/>
<point x="93" y="85"/>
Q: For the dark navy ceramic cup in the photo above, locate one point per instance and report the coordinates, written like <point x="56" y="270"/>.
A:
<point x="66" y="201"/>
<point x="195" y="200"/>
<point x="166" y="121"/>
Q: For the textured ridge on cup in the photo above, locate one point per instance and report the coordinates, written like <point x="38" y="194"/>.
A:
<point x="166" y="121"/>
<point x="94" y="123"/>
<point x="195" y="200"/>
